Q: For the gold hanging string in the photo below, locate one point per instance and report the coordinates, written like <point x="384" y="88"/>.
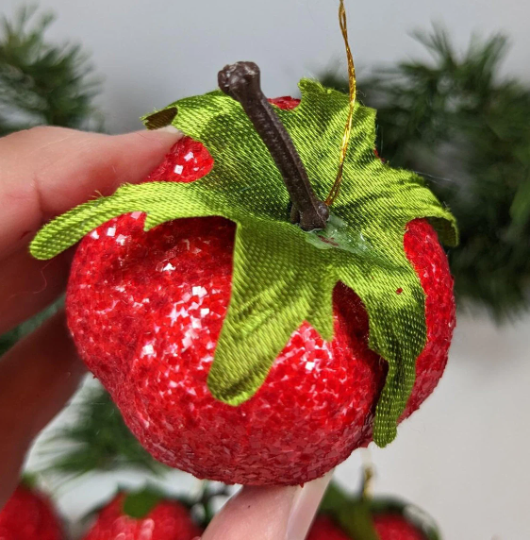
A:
<point x="368" y="474"/>
<point x="353" y="96"/>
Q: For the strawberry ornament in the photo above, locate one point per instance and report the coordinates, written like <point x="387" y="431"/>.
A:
<point x="144" y="515"/>
<point x="365" y="518"/>
<point x="389" y="526"/>
<point x="253" y="322"/>
<point x="29" y="515"/>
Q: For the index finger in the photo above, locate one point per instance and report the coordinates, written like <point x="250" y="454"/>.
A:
<point x="46" y="171"/>
<point x="269" y="513"/>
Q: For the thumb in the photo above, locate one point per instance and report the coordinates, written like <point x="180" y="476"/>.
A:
<point x="272" y="513"/>
<point x="45" y="171"/>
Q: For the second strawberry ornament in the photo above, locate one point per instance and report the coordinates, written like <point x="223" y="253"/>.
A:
<point x="251" y="328"/>
<point x="143" y="515"/>
<point x="343" y="517"/>
<point x="29" y="515"/>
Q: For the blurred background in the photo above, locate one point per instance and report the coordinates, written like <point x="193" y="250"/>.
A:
<point x="451" y="81"/>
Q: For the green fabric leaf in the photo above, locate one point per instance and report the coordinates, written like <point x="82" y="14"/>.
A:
<point x="334" y="498"/>
<point x="352" y="514"/>
<point x="282" y="275"/>
<point x="261" y="300"/>
<point x="139" y="504"/>
<point x="355" y="513"/>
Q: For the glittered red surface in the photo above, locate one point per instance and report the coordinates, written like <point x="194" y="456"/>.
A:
<point x="29" y="516"/>
<point x="167" y="521"/>
<point x="394" y="527"/>
<point x="325" y="529"/>
<point x="388" y="527"/>
<point x="146" y="310"/>
<point x="285" y="102"/>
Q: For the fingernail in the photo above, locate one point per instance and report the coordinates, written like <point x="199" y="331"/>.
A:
<point x="169" y="129"/>
<point x="305" y="506"/>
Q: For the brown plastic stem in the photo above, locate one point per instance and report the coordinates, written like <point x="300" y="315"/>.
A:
<point x="241" y="81"/>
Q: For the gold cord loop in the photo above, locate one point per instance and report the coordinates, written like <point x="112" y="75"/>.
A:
<point x="353" y="96"/>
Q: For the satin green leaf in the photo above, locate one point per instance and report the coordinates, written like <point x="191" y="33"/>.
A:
<point x="260" y="300"/>
<point x="159" y="200"/>
<point x="397" y="333"/>
<point x="282" y="275"/>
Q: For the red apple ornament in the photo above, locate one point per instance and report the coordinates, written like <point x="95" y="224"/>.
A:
<point x="151" y="310"/>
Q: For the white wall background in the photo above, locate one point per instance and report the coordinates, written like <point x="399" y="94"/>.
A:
<point x="153" y="52"/>
<point x="463" y="457"/>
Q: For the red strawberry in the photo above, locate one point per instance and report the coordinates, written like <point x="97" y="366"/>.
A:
<point x="146" y="310"/>
<point x="29" y="515"/>
<point x="168" y="520"/>
<point x="387" y="526"/>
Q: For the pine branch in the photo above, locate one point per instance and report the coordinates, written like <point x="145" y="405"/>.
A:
<point x="43" y="83"/>
<point x="97" y="441"/>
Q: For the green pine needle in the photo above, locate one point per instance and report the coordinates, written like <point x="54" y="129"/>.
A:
<point x="42" y="83"/>
<point x="466" y="129"/>
<point x="9" y="339"/>
<point x="97" y="441"/>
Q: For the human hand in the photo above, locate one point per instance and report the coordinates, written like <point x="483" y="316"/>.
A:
<point x="272" y="513"/>
<point x="43" y="173"/>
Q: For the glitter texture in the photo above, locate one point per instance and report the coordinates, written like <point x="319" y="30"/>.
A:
<point x="29" y="516"/>
<point x="167" y="521"/>
<point x="187" y="161"/>
<point x="394" y="527"/>
<point x="285" y="102"/>
<point x="146" y="310"/>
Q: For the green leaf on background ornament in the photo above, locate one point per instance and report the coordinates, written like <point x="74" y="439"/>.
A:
<point x="357" y="522"/>
<point x="139" y="504"/>
<point x="520" y="208"/>
<point x="282" y="275"/>
<point x="352" y="515"/>
<point x="334" y="498"/>
<point x="409" y="512"/>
